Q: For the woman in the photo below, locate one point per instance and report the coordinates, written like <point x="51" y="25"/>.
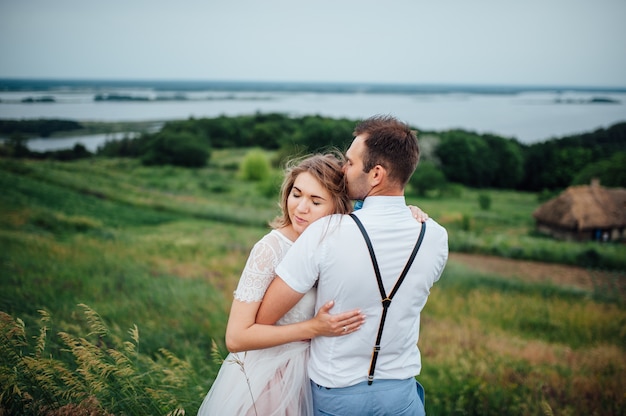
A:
<point x="270" y="377"/>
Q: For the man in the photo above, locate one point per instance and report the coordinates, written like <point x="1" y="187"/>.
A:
<point x="349" y="375"/>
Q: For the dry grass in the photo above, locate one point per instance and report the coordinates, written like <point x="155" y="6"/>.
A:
<point x="105" y="376"/>
<point x="533" y="271"/>
<point x="569" y="381"/>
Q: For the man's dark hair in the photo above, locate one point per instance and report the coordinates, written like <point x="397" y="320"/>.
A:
<point x="391" y="144"/>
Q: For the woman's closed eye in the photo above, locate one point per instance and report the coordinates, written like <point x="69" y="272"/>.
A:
<point x="313" y="201"/>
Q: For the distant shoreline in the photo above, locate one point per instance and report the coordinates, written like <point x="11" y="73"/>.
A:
<point x="528" y="114"/>
<point x="25" y="84"/>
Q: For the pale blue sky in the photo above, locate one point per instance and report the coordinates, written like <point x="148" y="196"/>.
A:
<point x="532" y="42"/>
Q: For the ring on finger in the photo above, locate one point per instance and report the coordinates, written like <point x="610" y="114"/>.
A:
<point x="345" y="329"/>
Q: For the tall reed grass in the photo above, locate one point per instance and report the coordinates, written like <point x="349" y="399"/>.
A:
<point x="98" y="373"/>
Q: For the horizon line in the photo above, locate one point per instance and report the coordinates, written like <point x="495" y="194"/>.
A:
<point x="353" y="84"/>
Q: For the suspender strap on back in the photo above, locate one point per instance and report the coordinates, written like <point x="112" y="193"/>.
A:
<point x="386" y="300"/>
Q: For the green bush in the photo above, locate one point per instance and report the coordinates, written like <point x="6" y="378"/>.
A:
<point x="270" y="186"/>
<point x="427" y="177"/>
<point x="255" y="166"/>
<point x="484" y="200"/>
<point x="466" y="223"/>
<point x="611" y="172"/>
<point x="546" y="194"/>
<point x="180" y="149"/>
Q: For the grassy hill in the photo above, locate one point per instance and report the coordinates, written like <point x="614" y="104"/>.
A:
<point x="116" y="281"/>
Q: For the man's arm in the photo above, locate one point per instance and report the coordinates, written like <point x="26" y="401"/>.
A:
<point x="278" y="300"/>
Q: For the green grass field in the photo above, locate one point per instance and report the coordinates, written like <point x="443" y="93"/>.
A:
<point x="116" y="281"/>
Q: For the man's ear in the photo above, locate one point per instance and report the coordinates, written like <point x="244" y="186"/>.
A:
<point x="377" y="174"/>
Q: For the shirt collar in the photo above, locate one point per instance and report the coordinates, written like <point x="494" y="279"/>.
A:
<point x="386" y="201"/>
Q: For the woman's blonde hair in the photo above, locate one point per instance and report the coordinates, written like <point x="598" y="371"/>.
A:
<point x="326" y="168"/>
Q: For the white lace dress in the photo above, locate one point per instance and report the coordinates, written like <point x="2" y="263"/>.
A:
<point x="276" y="377"/>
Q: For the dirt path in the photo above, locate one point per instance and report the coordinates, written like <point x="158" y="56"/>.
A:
<point x="558" y="274"/>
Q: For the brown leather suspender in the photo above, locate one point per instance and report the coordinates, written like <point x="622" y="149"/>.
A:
<point x="386" y="300"/>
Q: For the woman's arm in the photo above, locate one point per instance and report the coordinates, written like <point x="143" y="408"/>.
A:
<point x="243" y="334"/>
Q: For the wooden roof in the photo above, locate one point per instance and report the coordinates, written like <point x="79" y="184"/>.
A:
<point x="585" y="207"/>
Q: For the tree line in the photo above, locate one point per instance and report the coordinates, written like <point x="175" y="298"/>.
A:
<point x="36" y="128"/>
<point x="452" y="156"/>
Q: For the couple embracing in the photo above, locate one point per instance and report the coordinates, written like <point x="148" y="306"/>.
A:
<point x="375" y="267"/>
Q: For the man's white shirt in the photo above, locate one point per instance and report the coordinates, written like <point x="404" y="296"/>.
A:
<point x="332" y="253"/>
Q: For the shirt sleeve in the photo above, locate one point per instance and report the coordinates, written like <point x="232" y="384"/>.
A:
<point x="301" y="266"/>
<point x="259" y="271"/>
<point x="442" y="254"/>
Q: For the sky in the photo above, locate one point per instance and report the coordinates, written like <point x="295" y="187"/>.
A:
<point x="488" y="42"/>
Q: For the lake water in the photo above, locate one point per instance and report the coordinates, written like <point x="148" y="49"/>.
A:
<point x="528" y="115"/>
<point x="91" y="142"/>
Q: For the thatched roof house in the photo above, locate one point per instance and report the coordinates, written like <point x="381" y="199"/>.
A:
<point x="586" y="212"/>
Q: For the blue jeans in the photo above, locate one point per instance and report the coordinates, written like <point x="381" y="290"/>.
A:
<point x="382" y="398"/>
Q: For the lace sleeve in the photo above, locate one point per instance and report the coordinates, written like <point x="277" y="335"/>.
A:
<point x="260" y="269"/>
